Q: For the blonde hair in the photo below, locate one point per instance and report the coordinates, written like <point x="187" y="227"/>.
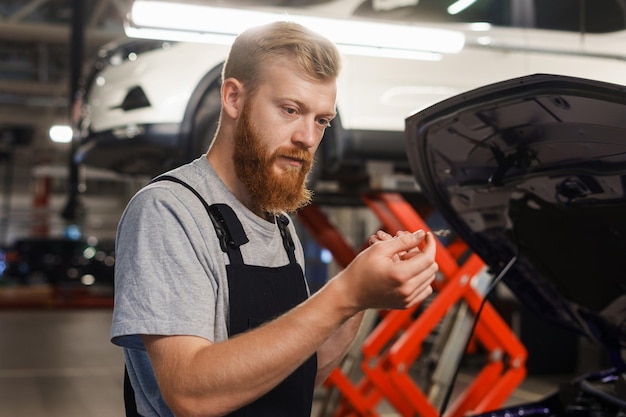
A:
<point x="317" y="56"/>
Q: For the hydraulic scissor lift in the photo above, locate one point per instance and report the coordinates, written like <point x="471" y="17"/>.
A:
<point x="394" y="345"/>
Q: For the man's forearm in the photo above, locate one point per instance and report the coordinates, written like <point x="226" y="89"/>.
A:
<point x="335" y="348"/>
<point x="224" y="376"/>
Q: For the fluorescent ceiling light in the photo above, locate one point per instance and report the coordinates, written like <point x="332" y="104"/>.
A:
<point x="193" y="22"/>
<point x="389" y="53"/>
<point x="460" y="5"/>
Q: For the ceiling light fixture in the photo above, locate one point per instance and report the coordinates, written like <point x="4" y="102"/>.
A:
<point x="199" y="23"/>
<point x="61" y="133"/>
<point x="459" y="5"/>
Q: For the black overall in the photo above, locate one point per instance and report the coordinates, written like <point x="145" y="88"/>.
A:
<point x="259" y="294"/>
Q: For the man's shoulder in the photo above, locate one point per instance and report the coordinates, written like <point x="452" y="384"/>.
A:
<point x="197" y="175"/>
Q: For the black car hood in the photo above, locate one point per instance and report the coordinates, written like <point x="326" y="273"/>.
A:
<point x="535" y="168"/>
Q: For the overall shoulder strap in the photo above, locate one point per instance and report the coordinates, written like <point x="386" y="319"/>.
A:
<point x="282" y="221"/>
<point x="227" y="226"/>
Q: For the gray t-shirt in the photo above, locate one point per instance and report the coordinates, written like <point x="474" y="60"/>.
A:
<point x="170" y="273"/>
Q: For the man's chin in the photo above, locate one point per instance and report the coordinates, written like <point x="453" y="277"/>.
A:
<point x="287" y="199"/>
<point x="286" y="169"/>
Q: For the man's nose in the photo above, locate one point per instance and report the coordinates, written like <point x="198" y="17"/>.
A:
<point x="307" y="134"/>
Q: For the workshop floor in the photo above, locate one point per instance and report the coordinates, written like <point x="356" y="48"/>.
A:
<point x="59" y="363"/>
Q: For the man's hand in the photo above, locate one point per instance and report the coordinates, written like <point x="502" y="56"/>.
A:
<point x="381" y="235"/>
<point x="392" y="273"/>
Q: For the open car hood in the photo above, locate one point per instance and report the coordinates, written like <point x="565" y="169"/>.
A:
<point x="535" y="168"/>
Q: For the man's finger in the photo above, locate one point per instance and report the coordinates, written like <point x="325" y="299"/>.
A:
<point x="409" y="241"/>
<point x="430" y="246"/>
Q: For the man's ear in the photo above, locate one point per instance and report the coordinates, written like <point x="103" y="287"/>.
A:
<point x="232" y="97"/>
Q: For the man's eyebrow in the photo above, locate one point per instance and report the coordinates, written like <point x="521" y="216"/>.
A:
<point x="302" y="105"/>
<point x="331" y="116"/>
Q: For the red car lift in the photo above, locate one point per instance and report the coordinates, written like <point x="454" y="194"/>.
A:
<point x="396" y="342"/>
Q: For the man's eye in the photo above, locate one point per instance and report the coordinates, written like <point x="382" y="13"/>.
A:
<point x="324" y="122"/>
<point x="290" y="110"/>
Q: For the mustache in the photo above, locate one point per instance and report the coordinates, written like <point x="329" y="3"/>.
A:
<point x="294" y="153"/>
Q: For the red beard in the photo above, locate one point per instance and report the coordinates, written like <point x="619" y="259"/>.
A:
<point x="270" y="191"/>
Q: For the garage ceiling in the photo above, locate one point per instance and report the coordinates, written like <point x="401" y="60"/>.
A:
<point x="36" y="62"/>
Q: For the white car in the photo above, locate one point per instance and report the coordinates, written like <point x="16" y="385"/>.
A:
<point x="151" y="105"/>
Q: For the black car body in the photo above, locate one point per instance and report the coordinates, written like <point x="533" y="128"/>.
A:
<point x="59" y="262"/>
<point x="531" y="173"/>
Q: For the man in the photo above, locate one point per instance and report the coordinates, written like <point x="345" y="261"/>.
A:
<point x="211" y="305"/>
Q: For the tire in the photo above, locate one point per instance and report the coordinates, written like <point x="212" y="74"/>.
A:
<point x="205" y="121"/>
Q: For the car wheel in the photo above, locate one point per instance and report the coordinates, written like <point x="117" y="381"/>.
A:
<point x="205" y="121"/>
